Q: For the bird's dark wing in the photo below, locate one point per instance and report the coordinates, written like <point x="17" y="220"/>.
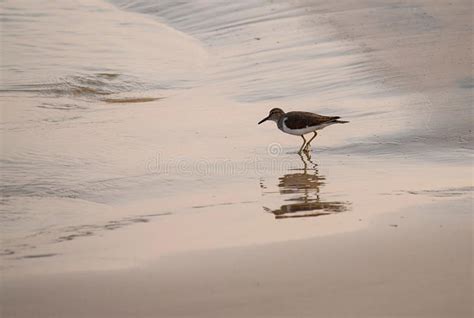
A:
<point x="299" y="120"/>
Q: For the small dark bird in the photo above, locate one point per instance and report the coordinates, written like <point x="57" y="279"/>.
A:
<point x="301" y="123"/>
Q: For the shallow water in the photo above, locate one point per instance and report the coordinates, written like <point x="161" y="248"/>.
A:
<point x="135" y="122"/>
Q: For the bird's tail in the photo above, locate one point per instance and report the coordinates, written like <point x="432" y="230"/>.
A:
<point x="341" y="121"/>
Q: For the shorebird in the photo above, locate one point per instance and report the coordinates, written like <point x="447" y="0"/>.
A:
<point x="301" y="123"/>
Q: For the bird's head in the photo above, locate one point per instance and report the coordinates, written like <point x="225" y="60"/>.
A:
<point x="274" y="114"/>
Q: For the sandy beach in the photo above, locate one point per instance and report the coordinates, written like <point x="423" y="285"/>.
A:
<point x="137" y="183"/>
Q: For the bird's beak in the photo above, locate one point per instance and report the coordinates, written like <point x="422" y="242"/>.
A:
<point x="266" y="118"/>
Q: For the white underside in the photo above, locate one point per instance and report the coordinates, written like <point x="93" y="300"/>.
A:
<point x="302" y="131"/>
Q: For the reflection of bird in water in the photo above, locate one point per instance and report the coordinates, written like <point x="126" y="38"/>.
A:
<point x="306" y="188"/>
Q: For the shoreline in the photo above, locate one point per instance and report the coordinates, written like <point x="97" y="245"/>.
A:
<point x="413" y="271"/>
<point x="220" y="221"/>
<point x="94" y="228"/>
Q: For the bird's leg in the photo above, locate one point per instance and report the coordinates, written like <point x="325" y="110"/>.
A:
<point x="302" y="146"/>
<point x="308" y="143"/>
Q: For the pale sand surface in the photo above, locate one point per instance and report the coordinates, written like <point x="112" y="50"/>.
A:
<point x="426" y="47"/>
<point x="411" y="270"/>
<point x="128" y="192"/>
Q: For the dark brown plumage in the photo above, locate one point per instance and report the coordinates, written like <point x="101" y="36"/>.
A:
<point x="299" y="120"/>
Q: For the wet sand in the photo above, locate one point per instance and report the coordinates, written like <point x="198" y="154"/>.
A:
<point x="141" y="185"/>
<point x="403" y="265"/>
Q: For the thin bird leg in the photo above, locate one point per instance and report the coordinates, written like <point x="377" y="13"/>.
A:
<point x="302" y="146"/>
<point x="308" y="144"/>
